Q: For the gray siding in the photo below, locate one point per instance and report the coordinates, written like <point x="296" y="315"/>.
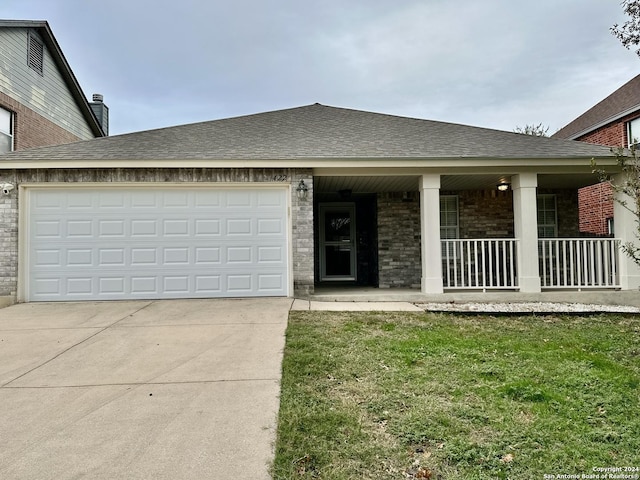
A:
<point x="46" y="94"/>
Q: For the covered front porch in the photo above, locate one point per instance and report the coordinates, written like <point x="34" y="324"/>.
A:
<point x="444" y="233"/>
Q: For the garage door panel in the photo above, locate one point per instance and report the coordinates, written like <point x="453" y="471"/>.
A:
<point x="175" y="199"/>
<point x="108" y="199"/>
<point x="48" y="229"/>
<point x="79" y="228"/>
<point x="207" y="255"/>
<point x="79" y="257"/>
<point x="112" y="285"/>
<point x="157" y="243"/>
<point x="207" y="227"/>
<point x="144" y="228"/>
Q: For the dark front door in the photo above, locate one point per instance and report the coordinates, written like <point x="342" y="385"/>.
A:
<point x="337" y="241"/>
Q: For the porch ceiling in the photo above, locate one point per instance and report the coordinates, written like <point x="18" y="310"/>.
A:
<point x="410" y="183"/>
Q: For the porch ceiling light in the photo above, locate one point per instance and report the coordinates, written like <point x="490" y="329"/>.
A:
<point x="302" y="190"/>
<point x="503" y="186"/>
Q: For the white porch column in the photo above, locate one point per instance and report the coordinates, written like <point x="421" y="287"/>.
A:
<point x="626" y="228"/>
<point x="430" y="234"/>
<point x="525" y="223"/>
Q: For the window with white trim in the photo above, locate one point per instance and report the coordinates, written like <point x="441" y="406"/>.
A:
<point x="547" y="216"/>
<point x="633" y="132"/>
<point x="449" y="227"/>
<point x="6" y="131"/>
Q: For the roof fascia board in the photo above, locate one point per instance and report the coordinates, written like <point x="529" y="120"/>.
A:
<point x="479" y="165"/>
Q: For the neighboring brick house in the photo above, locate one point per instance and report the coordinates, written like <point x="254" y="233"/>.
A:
<point x="41" y="102"/>
<point x="279" y="203"/>
<point x="615" y="122"/>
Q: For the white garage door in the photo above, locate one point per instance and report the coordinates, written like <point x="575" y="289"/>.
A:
<point x="128" y="243"/>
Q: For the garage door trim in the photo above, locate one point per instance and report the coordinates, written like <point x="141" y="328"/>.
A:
<point x="24" y="208"/>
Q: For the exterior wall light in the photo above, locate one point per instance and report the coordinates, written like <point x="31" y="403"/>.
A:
<point x="302" y="190"/>
<point x="503" y="186"/>
<point x="7" y="188"/>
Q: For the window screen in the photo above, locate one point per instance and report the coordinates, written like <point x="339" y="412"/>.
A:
<point x="449" y="217"/>
<point x="547" y="216"/>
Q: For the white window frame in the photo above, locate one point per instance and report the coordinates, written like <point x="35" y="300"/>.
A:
<point x="445" y="230"/>
<point x="542" y="199"/>
<point x="4" y="113"/>
<point x="633" y="126"/>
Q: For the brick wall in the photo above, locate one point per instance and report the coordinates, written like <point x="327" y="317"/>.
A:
<point x="485" y="213"/>
<point x="303" y="245"/>
<point x="301" y="210"/>
<point x="482" y="214"/>
<point x="399" y="258"/>
<point x="567" y="209"/>
<point x="32" y="129"/>
<point x="595" y="206"/>
<point x="8" y="243"/>
<point x="596" y="201"/>
<point x="613" y="135"/>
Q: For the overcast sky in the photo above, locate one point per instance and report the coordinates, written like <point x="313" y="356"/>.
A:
<point x="490" y="63"/>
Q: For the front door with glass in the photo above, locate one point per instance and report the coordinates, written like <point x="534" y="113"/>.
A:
<point x="337" y="242"/>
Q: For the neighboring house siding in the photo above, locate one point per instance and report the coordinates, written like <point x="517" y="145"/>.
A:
<point x="301" y="210"/>
<point x="47" y="94"/>
<point x="32" y="129"/>
<point x="596" y="207"/>
<point x="613" y="134"/>
<point x="596" y="201"/>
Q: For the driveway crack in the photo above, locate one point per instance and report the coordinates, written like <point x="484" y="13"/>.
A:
<point x="84" y="340"/>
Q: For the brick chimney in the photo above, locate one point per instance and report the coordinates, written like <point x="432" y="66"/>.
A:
<point x="101" y="112"/>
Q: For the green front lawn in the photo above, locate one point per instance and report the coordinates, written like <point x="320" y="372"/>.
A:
<point x="405" y="395"/>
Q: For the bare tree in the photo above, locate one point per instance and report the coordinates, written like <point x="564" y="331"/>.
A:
<point x="629" y="32"/>
<point x="626" y="191"/>
<point x="539" y="130"/>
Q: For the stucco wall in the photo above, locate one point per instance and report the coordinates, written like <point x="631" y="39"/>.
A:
<point x="301" y="210"/>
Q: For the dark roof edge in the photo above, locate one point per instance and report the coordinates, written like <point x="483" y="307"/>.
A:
<point x="602" y="123"/>
<point x="74" y="86"/>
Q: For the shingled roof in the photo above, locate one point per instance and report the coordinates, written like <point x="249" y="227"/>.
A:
<point x="620" y="103"/>
<point x="313" y="132"/>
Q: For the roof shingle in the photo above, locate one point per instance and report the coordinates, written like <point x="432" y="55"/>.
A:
<point x="623" y="101"/>
<point x="314" y="132"/>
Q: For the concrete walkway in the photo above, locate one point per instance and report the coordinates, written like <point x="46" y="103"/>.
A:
<point x="179" y="389"/>
<point x="372" y="299"/>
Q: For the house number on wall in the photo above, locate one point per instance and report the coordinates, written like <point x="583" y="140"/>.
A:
<point x="280" y="178"/>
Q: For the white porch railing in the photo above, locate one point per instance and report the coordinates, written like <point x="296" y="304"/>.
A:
<point x="579" y="262"/>
<point x="479" y="264"/>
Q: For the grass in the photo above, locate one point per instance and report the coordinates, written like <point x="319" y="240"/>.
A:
<point x="406" y="395"/>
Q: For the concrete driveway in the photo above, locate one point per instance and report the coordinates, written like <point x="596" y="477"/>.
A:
<point x="174" y="389"/>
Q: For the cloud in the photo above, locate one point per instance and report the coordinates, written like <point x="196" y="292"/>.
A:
<point x="495" y="63"/>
